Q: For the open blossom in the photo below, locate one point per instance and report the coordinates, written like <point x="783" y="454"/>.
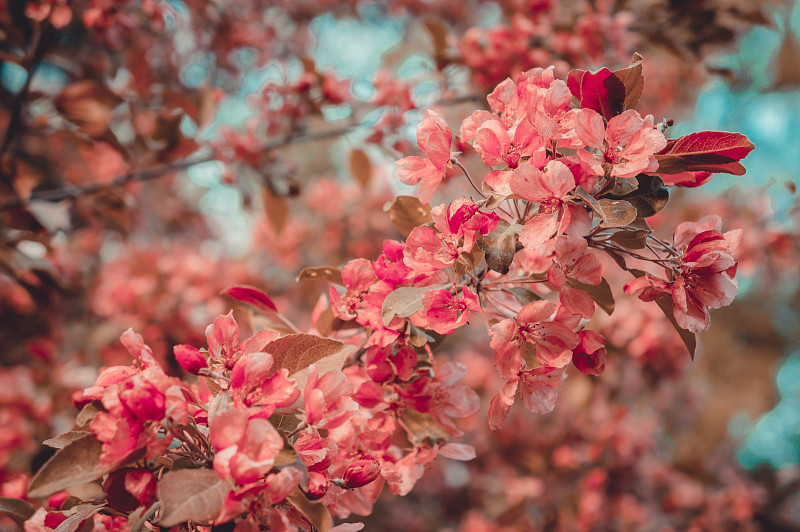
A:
<point x="497" y="146"/>
<point x="705" y="279"/>
<point x="434" y="139"/>
<point x="590" y="354"/>
<point x="548" y="188"/>
<point x="573" y="262"/>
<point x="246" y="447"/>
<point x="463" y="218"/>
<point x="629" y="142"/>
<point x="533" y="327"/>
<point x="357" y="277"/>
<point x="445" y="313"/>
<point x="538" y="388"/>
<point x="135" y="401"/>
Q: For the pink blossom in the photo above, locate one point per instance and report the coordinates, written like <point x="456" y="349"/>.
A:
<point x="533" y="326"/>
<point x="445" y="313"/>
<point x="434" y="139"/>
<point x="548" y="188"/>
<point x="629" y="142"/>
<point x="357" y="277"/>
<point x="590" y="354"/>
<point x="573" y="262"/>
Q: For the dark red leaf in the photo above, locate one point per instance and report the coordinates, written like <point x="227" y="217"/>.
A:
<point x="602" y="92"/>
<point x="252" y="295"/>
<point x="708" y="151"/>
<point x="574" y="82"/>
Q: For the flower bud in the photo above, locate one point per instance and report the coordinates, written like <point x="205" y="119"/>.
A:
<point x="190" y="358"/>
<point x="361" y="472"/>
<point x="317" y="485"/>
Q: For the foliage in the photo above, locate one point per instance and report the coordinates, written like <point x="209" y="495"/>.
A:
<point x="294" y="410"/>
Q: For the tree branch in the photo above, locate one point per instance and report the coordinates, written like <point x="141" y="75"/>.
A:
<point x="146" y="174"/>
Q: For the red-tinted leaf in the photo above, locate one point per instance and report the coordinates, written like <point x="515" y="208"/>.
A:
<point x="633" y="81"/>
<point x="252" y="295"/>
<point x="574" y="79"/>
<point x="708" y="151"/>
<point x="687" y="179"/>
<point x="191" y="495"/>
<point x="603" y="92"/>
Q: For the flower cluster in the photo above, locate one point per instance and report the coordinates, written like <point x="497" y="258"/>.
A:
<point x="284" y="428"/>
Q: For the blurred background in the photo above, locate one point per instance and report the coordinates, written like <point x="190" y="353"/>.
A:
<point x="155" y="152"/>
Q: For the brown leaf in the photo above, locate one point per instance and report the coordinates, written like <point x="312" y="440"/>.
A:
<point x="87" y="413"/>
<point x="493" y="201"/>
<point x="423" y="428"/>
<point x="689" y="338"/>
<point x="327" y="323"/>
<point x="207" y="105"/>
<point x="649" y="197"/>
<point x="361" y="167"/>
<point x="296" y="352"/>
<point x="787" y="63"/>
<point x="631" y="239"/>
<point x="175" y="99"/>
<point x="589" y="200"/>
<point x="402" y="302"/>
<point x="62" y="440"/>
<point x="439" y="36"/>
<point x="194" y="495"/>
<point x="316" y="512"/>
<point x="77" y="463"/>
<point x="322" y="273"/>
<point x="616" y="213"/>
<point x="82" y="513"/>
<point x="633" y="80"/>
<point x="17" y="509"/>
<point x="500" y="246"/>
<point x="88" y="104"/>
<point x="276" y="207"/>
<point x="407" y="212"/>
<point x="601" y="294"/>
<point x="53" y="216"/>
<point x="523" y="295"/>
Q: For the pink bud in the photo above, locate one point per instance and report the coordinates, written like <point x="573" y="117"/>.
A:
<point x="190" y="358"/>
<point x="317" y="485"/>
<point x="361" y="472"/>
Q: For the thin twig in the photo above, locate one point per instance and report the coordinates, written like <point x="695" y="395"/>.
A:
<point x="38" y="47"/>
<point x="146" y="174"/>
